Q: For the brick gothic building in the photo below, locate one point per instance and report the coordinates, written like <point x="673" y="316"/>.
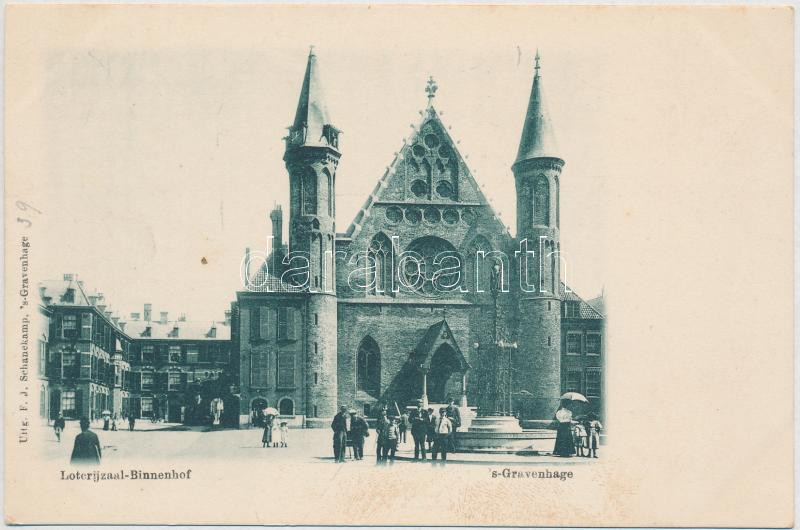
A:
<point x="355" y="335"/>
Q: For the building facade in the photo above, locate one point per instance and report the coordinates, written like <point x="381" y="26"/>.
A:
<point x="426" y="296"/>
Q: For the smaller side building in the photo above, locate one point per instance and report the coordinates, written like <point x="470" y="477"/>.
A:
<point x="582" y="351"/>
<point x="182" y="370"/>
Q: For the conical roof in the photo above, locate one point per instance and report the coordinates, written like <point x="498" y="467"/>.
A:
<point x="538" y="139"/>
<point x="311" y="117"/>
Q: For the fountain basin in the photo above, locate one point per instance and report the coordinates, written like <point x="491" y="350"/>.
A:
<point x="503" y="434"/>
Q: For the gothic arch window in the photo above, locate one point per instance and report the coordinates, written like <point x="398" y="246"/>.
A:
<point x="329" y="198"/>
<point x="558" y="203"/>
<point x="426" y="277"/>
<point x="541" y="202"/>
<point x="381" y="250"/>
<point x="368" y="364"/>
<point x="310" y="192"/>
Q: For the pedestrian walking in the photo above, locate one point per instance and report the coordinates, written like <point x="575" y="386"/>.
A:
<point x="419" y="432"/>
<point x="58" y="425"/>
<point x="87" y="446"/>
<point x="131" y="422"/>
<point x="266" y="438"/>
<point x="339" y="426"/>
<point x="565" y="447"/>
<point x="114" y="423"/>
<point x="593" y="434"/>
<point x="359" y="429"/>
<point x="444" y="429"/>
<point x="284" y="434"/>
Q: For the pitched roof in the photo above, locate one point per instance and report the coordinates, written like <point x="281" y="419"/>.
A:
<point x="438" y="333"/>
<point x="466" y="181"/>
<point x="56" y="293"/>
<point x="538" y="139"/>
<point x="262" y="282"/>
<point x="186" y="330"/>
<point x="585" y="310"/>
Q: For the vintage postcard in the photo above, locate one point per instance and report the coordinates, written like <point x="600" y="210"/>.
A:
<point x="399" y="265"/>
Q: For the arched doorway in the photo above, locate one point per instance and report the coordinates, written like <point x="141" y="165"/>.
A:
<point x="286" y="407"/>
<point x="257" y="406"/>
<point x="443" y="377"/>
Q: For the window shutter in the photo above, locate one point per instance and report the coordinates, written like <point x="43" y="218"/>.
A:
<point x="136" y="407"/>
<point x="285" y="370"/>
<point x="58" y="326"/>
<point x="163" y="353"/>
<point x="267" y="323"/>
<point x="184" y="380"/>
<point x="86" y="326"/>
<point x="136" y="381"/>
<point x="161" y="380"/>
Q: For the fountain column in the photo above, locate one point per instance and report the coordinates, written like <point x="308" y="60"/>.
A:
<point x="463" y="389"/>
<point x="424" y="388"/>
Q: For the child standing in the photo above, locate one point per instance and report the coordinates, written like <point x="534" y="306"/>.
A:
<point x="594" y="428"/>
<point x="284" y="434"/>
<point x="579" y="435"/>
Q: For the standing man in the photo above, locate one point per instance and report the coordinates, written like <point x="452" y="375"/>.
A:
<point x="359" y="429"/>
<point x="131" y="422"/>
<point x="442" y="437"/>
<point x="419" y="431"/>
<point x="87" y="446"/>
<point x="339" y="426"/>
<point x="382" y="432"/>
<point x="404" y="425"/>
<point x="431" y="434"/>
<point x="454" y="415"/>
<point x="59" y="425"/>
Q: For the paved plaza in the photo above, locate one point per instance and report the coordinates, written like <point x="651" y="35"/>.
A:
<point x="175" y="442"/>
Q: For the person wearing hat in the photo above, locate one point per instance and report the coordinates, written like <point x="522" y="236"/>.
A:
<point x="419" y="431"/>
<point x="593" y="429"/>
<point x="565" y="446"/>
<point x="444" y="428"/>
<point x="359" y="429"/>
<point x="339" y="426"/>
<point x="87" y="446"/>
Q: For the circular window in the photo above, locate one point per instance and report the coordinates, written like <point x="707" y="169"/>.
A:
<point x="468" y="216"/>
<point x="425" y="272"/>
<point x="394" y="214"/>
<point x="419" y="188"/>
<point x="444" y="189"/>
<point x="450" y="216"/>
<point x="431" y="140"/>
<point x="432" y="215"/>
<point x="418" y="151"/>
<point x="445" y="151"/>
<point x="413" y="216"/>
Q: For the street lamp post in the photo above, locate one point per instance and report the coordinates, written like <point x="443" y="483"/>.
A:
<point x="495" y="286"/>
<point x="510" y="346"/>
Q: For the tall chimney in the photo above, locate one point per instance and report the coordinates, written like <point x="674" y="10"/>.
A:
<point x="277" y="227"/>
<point x="228" y="317"/>
<point x="148" y="312"/>
<point x="164" y="317"/>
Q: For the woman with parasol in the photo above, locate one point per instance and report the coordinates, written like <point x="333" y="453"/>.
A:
<point x="269" y="422"/>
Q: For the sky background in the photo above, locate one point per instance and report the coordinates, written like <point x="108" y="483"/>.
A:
<point x="163" y="149"/>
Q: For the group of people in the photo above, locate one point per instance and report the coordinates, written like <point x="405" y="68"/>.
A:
<point x="431" y="432"/>
<point x="268" y="439"/>
<point x="576" y="436"/>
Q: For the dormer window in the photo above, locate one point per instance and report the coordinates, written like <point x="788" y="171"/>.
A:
<point x="331" y="135"/>
<point x="212" y="333"/>
<point x="175" y="332"/>
<point x="148" y="331"/>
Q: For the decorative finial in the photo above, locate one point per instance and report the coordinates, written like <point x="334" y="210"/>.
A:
<point x="537" y="61"/>
<point x="431" y="90"/>
<point x="311" y="51"/>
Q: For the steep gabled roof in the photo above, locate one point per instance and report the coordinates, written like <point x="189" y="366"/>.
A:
<point x="387" y="182"/>
<point x="538" y="139"/>
<point x="436" y="335"/>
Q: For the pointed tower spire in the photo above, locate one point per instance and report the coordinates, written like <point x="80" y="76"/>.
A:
<point x="312" y="125"/>
<point x="538" y="140"/>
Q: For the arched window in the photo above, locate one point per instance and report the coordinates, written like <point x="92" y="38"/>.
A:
<point x="286" y="407"/>
<point x="541" y="202"/>
<point x="368" y="361"/>
<point x="431" y="267"/>
<point x="330" y="192"/>
<point x="380" y="251"/>
<point x="310" y="192"/>
<point x="558" y="203"/>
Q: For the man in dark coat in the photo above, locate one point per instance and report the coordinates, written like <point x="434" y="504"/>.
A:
<point x="419" y="431"/>
<point x="58" y="425"/>
<point x="87" y="446"/>
<point x="359" y="429"/>
<point x="339" y="426"/>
